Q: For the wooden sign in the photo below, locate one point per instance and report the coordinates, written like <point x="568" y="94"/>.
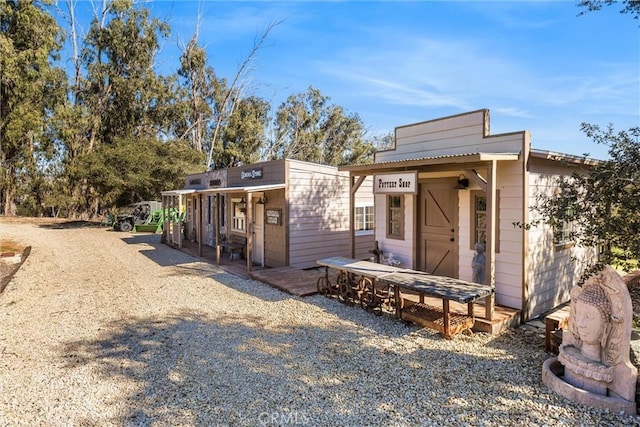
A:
<point x="396" y="183"/>
<point x="274" y="216"/>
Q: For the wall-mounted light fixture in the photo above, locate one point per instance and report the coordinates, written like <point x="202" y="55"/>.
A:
<point x="242" y="204"/>
<point x="262" y="200"/>
<point x="463" y="183"/>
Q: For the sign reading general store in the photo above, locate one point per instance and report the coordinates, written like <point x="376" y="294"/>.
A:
<point x="396" y="183"/>
<point x="255" y="173"/>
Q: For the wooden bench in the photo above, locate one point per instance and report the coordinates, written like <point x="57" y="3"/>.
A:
<point x="235" y="245"/>
<point x="559" y="319"/>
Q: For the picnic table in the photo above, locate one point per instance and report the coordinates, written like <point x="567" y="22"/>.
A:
<point x="360" y="275"/>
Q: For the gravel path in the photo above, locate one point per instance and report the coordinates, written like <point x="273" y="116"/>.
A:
<point x="106" y="328"/>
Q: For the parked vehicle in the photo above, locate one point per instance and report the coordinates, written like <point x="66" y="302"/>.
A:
<point x="146" y="213"/>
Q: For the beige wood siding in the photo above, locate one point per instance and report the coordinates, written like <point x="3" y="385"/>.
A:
<point x="365" y="241"/>
<point x="465" y="133"/>
<point x="509" y="260"/>
<point x="363" y="245"/>
<point x="318" y="213"/>
<point x="553" y="271"/>
<point x="275" y="241"/>
<point x="402" y="250"/>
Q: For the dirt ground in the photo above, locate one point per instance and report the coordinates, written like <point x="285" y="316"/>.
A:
<point x="10" y="248"/>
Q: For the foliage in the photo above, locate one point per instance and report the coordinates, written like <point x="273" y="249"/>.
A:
<point x="307" y="128"/>
<point x="202" y="90"/>
<point x="29" y="89"/>
<point x="117" y="97"/>
<point x="115" y="131"/>
<point x="603" y="202"/>
<point x="121" y="86"/>
<point x="631" y="7"/>
<point x="244" y="134"/>
<point x="126" y="172"/>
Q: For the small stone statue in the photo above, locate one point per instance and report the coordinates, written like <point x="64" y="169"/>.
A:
<point x="478" y="264"/>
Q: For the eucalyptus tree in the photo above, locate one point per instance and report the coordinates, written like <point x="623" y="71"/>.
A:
<point x="118" y="97"/>
<point x="203" y="91"/>
<point x="29" y="90"/>
<point x="243" y="136"/>
<point x="234" y="91"/>
<point x="307" y="128"/>
<point x="121" y="84"/>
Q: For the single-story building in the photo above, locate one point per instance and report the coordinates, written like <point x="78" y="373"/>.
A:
<point x="448" y="184"/>
<point x="285" y="213"/>
<point x="187" y="224"/>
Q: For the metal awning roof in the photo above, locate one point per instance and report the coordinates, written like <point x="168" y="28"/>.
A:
<point x="178" y="192"/>
<point x="435" y="160"/>
<point x="247" y="189"/>
<point x="562" y="157"/>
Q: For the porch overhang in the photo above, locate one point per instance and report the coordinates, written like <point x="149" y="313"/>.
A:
<point x="246" y="189"/>
<point x="180" y="192"/>
<point x="452" y="159"/>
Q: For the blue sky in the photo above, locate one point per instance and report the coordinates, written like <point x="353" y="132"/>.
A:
<point x="536" y="66"/>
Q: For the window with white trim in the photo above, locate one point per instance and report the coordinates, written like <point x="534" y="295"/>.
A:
<point x="563" y="231"/>
<point x="479" y="227"/>
<point x="363" y="219"/>
<point x="239" y="208"/>
<point x="395" y="217"/>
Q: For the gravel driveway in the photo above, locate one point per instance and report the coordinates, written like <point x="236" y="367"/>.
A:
<point x="106" y="328"/>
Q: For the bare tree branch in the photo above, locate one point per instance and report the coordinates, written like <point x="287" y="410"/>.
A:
<point x="236" y="86"/>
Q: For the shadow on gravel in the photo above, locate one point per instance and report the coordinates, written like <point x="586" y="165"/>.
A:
<point x="193" y="369"/>
<point x="189" y="265"/>
<point x="158" y="252"/>
<point x="72" y="224"/>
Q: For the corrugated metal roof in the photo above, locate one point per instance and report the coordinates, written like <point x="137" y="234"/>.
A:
<point x="433" y="160"/>
<point x="246" y="189"/>
<point x="179" y="192"/>
<point x="562" y="157"/>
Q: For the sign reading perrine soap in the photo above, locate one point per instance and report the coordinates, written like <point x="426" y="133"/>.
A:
<point x="396" y="183"/>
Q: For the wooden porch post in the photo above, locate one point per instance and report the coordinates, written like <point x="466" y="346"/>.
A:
<point x="353" y="189"/>
<point x="163" y="238"/>
<point x="249" y="231"/>
<point x="180" y="221"/>
<point x="490" y="250"/>
<point x="217" y="227"/>
<point x="199" y="226"/>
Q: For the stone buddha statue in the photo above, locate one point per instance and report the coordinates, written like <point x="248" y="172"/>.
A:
<point x="593" y="322"/>
<point x="595" y="348"/>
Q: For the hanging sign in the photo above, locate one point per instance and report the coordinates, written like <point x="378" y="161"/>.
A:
<point x="396" y="183"/>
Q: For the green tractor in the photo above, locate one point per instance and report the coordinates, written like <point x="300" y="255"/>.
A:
<point x="143" y="216"/>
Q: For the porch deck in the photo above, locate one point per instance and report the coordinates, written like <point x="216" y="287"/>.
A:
<point x="302" y="283"/>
